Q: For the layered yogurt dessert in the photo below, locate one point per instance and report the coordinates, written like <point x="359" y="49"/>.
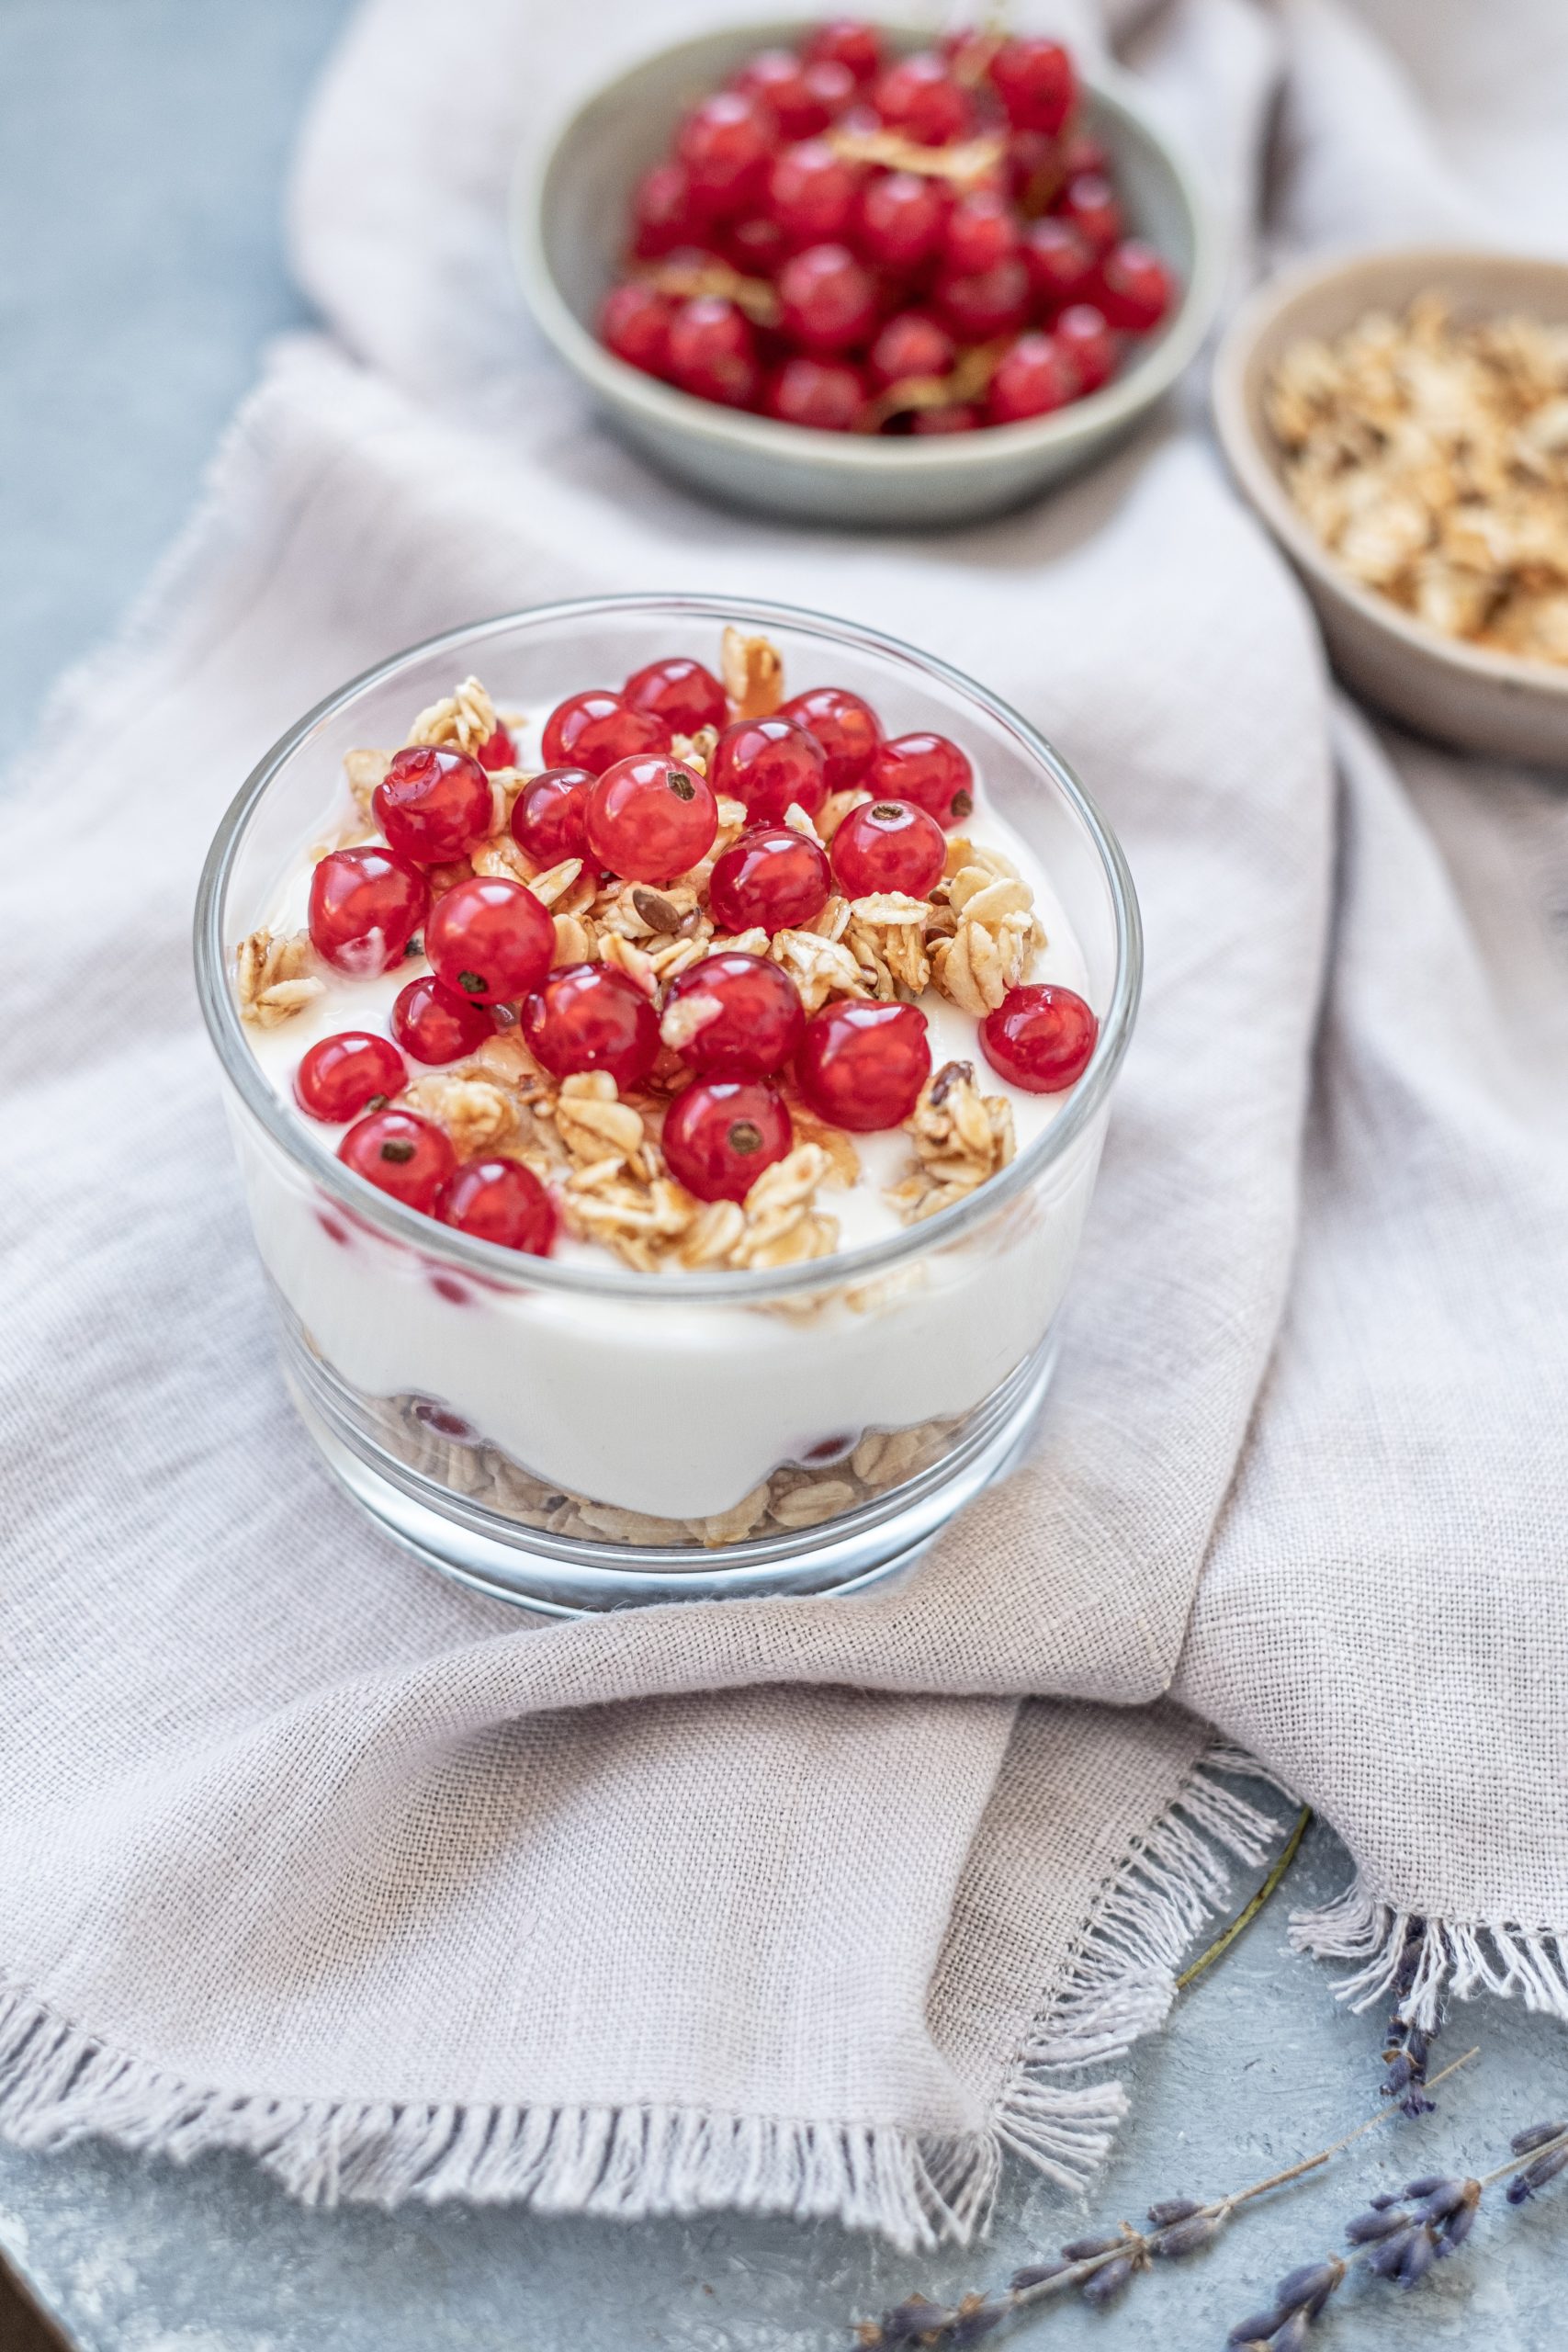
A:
<point x="684" y="977"/>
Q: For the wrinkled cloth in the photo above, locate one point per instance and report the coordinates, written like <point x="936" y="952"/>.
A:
<point x="816" y="1905"/>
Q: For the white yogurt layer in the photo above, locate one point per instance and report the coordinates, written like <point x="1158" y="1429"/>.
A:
<point x="647" y="1400"/>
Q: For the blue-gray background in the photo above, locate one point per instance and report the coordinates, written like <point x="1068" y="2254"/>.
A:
<point x="143" y="146"/>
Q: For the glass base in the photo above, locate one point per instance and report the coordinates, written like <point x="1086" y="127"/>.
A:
<point x="557" y="1576"/>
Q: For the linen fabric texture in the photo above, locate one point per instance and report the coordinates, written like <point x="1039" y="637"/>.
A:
<point x="805" y="1905"/>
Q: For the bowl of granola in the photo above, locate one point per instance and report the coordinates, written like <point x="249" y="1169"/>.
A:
<point x="1399" y="422"/>
<point x="668" y="1080"/>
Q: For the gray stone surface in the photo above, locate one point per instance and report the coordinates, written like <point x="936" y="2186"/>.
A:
<point x="141" y="148"/>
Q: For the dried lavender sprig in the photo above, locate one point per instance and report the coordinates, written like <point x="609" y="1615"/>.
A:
<point x="1400" y="2237"/>
<point x="1098" y="2266"/>
<point x="1408" y="2048"/>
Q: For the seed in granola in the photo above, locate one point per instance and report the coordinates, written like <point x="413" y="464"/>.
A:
<point x="862" y="1066"/>
<point x="433" y="803"/>
<point x="734" y="1016"/>
<point x="594" y="730"/>
<point x="932" y="772"/>
<point x="770" y="763"/>
<point x="888" y="845"/>
<point x="773" y="877"/>
<point x="500" y="1200"/>
<point x="435" y="1024"/>
<point x="649" y="818"/>
<point x="721" y="1135"/>
<point x="1040" y="1038"/>
<point x="366" y="905"/>
<point x="679" y="693"/>
<point x="344" y="1075"/>
<point x="590" y="1017"/>
<point x="548" y="816"/>
<point x="401" y="1154"/>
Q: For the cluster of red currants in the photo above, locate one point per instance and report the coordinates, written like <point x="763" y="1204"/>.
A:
<point x="856" y="241"/>
<point x="615" y="796"/>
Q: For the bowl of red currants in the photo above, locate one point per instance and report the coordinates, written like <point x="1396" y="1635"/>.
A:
<point x="818" y="269"/>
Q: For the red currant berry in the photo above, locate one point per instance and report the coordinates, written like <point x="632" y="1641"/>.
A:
<point x="812" y="193"/>
<point x="1088" y="202"/>
<point x="1085" y="341"/>
<point x="401" y="1154"/>
<point x="777" y="77"/>
<point x="724" y="145"/>
<point x="649" y="818"/>
<point x="634" y="323"/>
<point x="435" y="1024"/>
<point x="826" y="394"/>
<point x="590" y="1017"/>
<point x="888" y="845"/>
<point x="548" y="816"/>
<point x="981" y="230"/>
<point x="433" y="803"/>
<point x="489" y="939"/>
<point x="955" y="418"/>
<point x="772" y="877"/>
<point x="1034" y="80"/>
<point x="919" y="97"/>
<point x="734" y="1016"/>
<point x="1084" y="153"/>
<point x="500" y="1200"/>
<point x="594" y="730"/>
<point x="862" y="1066"/>
<point x="497" y="750"/>
<point x="832" y="88"/>
<point x="755" y="246"/>
<point x="993" y="301"/>
<point x="1040" y="1038"/>
<point x="846" y="727"/>
<point x="932" y="772"/>
<point x="662" y="216"/>
<point x="720" y="1134"/>
<point x="900" y="220"/>
<point x="1060" y="264"/>
<point x="679" y="692"/>
<point x="827" y="299"/>
<point x="912" y="344"/>
<point x="712" y="352"/>
<point x="366" y="905"/>
<point x="845" y="40"/>
<point x="341" y="1076"/>
<point x="770" y="764"/>
<point x="1134" y="288"/>
<point x="1034" y="377"/>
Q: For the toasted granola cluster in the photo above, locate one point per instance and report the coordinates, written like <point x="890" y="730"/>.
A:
<point x="1430" y="456"/>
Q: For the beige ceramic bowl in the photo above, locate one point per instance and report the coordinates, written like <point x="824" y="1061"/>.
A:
<point x="569" y="212"/>
<point x="1484" y="701"/>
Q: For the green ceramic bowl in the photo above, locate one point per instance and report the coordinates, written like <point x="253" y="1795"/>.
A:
<point x="569" y="208"/>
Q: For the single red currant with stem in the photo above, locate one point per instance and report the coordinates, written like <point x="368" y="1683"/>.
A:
<point x="900" y="220"/>
<point x="812" y="193"/>
<point x="982" y="230"/>
<point x="500" y="1200"/>
<point x="1059" y="262"/>
<point x="862" y="1066"/>
<point x="911" y="345"/>
<point x="930" y="770"/>
<point x="679" y="693"/>
<point x="662" y="213"/>
<point x="829" y="395"/>
<point x="734" y="1015"/>
<point x="1035" y="82"/>
<point x="772" y="877"/>
<point x="1087" y="343"/>
<point x="650" y="818"/>
<point x="634" y="323"/>
<point x="590" y="1017"/>
<point x="720" y="1135"/>
<point x="366" y="906"/>
<point x="919" y="97"/>
<point x="712" y="352"/>
<point x="770" y="764"/>
<point x="1088" y="202"/>
<point x="888" y="845"/>
<point x="846" y="727"/>
<point x="847" y="41"/>
<point x="1040" y="1037"/>
<point x="990" y="302"/>
<point x="343" y="1075"/>
<point x="489" y="939"/>
<point x="594" y="729"/>
<point x="401" y="1154"/>
<point x="549" y="815"/>
<point x="433" y="803"/>
<point x="436" y="1023"/>
<point x="724" y="145"/>
<point x="1132" y="288"/>
<point x="827" y="299"/>
<point x="1035" y="377"/>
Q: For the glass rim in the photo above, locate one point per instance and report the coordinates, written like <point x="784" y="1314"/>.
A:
<point x="518" y="1271"/>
